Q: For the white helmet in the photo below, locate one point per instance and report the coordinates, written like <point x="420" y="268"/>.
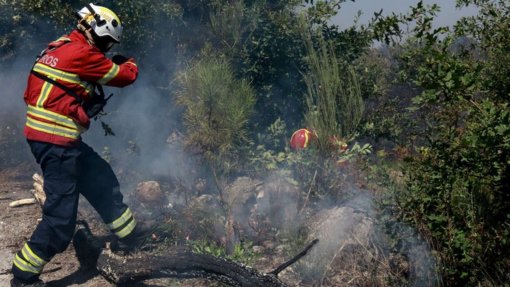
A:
<point x="103" y="21"/>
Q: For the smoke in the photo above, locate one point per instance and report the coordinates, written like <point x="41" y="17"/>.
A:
<point x="142" y="115"/>
<point x="23" y="37"/>
<point x="143" y="118"/>
<point x="13" y="79"/>
<point x="360" y="245"/>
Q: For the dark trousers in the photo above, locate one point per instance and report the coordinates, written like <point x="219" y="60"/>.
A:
<point x="68" y="172"/>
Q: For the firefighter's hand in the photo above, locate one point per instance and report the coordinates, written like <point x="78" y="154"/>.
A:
<point x="94" y="106"/>
<point x="119" y="59"/>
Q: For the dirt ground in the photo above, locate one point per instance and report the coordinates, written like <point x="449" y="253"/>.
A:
<point x="17" y="224"/>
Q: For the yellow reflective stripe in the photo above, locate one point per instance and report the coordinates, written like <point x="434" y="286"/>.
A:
<point x="126" y="230"/>
<point x="52" y="129"/>
<point x="31" y="256"/>
<point x="43" y="96"/>
<point x="25" y="266"/>
<point x="63" y="39"/>
<point x="127" y="215"/>
<point x="114" y="70"/>
<point x="56" y="74"/>
<point x="54" y="117"/>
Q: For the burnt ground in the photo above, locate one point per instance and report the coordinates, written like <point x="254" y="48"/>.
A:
<point x="17" y="224"/>
<point x="354" y="265"/>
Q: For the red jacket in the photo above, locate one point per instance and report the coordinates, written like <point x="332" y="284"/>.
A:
<point x="53" y="115"/>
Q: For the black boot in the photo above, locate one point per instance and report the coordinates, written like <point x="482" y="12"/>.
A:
<point x="87" y="247"/>
<point x="134" y="241"/>
<point x="18" y="283"/>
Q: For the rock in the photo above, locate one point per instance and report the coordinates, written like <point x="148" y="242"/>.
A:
<point x="175" y="138"/>
<point x="200" y="185"/>
<point x="277" y="199"/>
<point x="279" y="250"/>
<point x="258" y="249"/>
<point x="204" y="217"/>
<point x="149" y="192"/>
<point x="238" y="192"/>
<point x="205" y="202"/>
<point x="341" y="225"/>
<point x="345" y="244"/>
<point x="268" y="244"/>
<point x="239" y="197"/>
<point x="5" y="266"/>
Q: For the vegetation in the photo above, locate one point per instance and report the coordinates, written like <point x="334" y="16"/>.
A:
<point x="456" y="189"/>
<point x="333" y="94"/>
<point x="432" y="104"/>
<point x="217" y="109"/>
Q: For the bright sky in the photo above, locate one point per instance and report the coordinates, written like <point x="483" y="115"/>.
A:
<point x="448" y="16"/>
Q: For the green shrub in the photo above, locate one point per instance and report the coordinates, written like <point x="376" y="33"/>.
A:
<point x="458" y="179"/>
<point x="217" y="109"/>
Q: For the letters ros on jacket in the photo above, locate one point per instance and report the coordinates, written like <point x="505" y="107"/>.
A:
<point x="49" y="60"/>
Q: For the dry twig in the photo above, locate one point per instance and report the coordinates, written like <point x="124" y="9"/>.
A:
<point x="22" y="202"/>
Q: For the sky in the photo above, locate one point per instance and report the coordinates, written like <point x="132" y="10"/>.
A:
<point x="448" y="15"/>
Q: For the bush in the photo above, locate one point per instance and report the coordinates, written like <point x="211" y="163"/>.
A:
<point x="458" y="177"/>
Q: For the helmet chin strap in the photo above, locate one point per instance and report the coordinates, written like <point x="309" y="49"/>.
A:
<point x="87" y="32"/>
<point x="102" y="44"/>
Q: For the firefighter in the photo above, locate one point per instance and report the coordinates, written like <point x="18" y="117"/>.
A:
<point x="61" y="99"/>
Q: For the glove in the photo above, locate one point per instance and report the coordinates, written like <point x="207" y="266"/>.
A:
<point x="119" y="59"/>
<point x="94" y="106"/>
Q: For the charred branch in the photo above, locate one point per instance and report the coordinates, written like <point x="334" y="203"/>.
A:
<point x="179" y="263"/>
<point x="174" y="263"/>
<point x="294" y="259"/>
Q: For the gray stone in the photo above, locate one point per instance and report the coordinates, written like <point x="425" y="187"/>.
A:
<point x="149" y="192"/>
<point x="277" y="199"/>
